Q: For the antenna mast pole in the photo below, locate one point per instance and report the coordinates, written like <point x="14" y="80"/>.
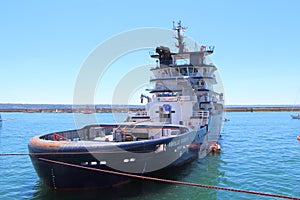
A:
<point x="179" y="37"/>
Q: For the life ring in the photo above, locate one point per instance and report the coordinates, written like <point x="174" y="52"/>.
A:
<point x="298" y="137"/>
<point x="56" y="137"/>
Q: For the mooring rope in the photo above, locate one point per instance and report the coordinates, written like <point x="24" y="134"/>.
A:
<point x="170" y="181"/>
<point x="143" y="177"/>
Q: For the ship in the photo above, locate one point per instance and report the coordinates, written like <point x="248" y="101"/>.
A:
<point x="295" y="116"/>
<point x="181" y="122"/>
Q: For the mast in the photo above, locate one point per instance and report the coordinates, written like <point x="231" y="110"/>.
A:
<point x="179" y="37"/>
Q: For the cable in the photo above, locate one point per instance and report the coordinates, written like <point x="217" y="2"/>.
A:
<point x="170" y="181"/>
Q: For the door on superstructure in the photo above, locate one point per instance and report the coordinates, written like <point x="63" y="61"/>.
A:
<point x="165" y="113"/>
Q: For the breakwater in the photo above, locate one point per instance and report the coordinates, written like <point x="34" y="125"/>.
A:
<point x="262" y="109"/>
<point x="69" y="110"/>
<point x="133" y="108"/>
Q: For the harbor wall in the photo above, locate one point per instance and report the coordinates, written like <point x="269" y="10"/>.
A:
<point x="262" y="109"/>
<point x="67" y="110"/>
<point x="135" y="109"/>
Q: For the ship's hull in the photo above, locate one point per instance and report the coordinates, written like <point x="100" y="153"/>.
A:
<point x="140" y="157"/>
<point x="296" y="116"/>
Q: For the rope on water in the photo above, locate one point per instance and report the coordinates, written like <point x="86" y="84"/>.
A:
<point x="144" y="177"/>
<point x="170" y="181"/>
<point x="14" y="154"/>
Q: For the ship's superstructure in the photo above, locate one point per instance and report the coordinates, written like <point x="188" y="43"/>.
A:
<point x="183" y="90"/>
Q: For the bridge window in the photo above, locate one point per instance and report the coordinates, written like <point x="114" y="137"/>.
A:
<point x="182" y="62"/>
<point x="182" y="59"/>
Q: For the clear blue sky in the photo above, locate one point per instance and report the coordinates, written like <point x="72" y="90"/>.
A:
<point x="44" y="43"/>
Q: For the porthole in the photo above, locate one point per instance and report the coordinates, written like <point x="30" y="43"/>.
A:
<point x="102" y="162"/>
<point x="94" y="163"/>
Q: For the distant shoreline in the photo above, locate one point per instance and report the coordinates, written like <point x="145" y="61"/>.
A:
<point x="262" y="109"/>
<point x="133" y="108"/>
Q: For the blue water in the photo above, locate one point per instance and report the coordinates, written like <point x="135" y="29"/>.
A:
<point x="260" y="152"/>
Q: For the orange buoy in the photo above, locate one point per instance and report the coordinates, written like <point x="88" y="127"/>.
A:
<point x="298" y="137"/>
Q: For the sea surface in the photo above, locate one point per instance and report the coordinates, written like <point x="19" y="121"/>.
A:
<point x="260" y="152"/>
